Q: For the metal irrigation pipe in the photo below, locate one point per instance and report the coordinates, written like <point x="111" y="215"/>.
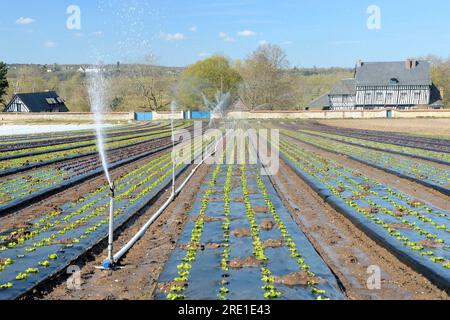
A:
<point x="109" y="263"/>
<point x="110" y="260"/>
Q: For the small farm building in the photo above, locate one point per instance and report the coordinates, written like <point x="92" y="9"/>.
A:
<point x="47" y="101"/>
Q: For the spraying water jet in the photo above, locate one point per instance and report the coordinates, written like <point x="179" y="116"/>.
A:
<point x="97" y="98"/>
<point x="173" y="108"/>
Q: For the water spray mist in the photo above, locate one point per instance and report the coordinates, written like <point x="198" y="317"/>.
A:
<point x="97" y="97"/>
<point x="173" y="108"/>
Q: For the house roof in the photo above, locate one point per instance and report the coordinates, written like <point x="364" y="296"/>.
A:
<point x="344" y="86"/>
<point x="321" y="102"/>
<point x="381" y="73"/>
<point x="436" y="97"/>
<point x="42" y="101"/>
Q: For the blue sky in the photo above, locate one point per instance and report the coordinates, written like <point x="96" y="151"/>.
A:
<point x="180" y="32"/>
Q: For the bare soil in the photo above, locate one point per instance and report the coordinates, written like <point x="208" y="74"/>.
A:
<point x="242" y="233"/>
<point x="266" y="225"/>
<point x="273" y="243"/>
<point x="430" y="127"/>
<point x="248" y="262"/>
<point x="297" y="279"/>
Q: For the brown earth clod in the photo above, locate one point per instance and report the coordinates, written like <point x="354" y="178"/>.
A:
<point x="242" y="233"/>
<point x="298" y="279"/>
<point x="267" y="225"/>
<point x="273" y="243"/>
<point x="248" y="262"/>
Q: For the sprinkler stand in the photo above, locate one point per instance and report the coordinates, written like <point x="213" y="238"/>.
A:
<point x="110" y="263"/>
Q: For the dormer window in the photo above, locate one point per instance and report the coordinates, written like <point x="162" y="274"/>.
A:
<point x="394" y="81"/>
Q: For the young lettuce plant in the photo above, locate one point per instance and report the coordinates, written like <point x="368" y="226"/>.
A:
<point x="176" y="292"/>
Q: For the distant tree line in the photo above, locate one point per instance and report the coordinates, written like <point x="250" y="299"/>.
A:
<point x="440" y="74"/>
<point x="264" y="80"/>
<point x="4" y="85"/>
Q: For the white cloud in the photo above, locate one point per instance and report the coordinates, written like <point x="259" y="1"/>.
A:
<point x="49" y="44"/>
<point x="172" y="36"/>
<point x="262" y="42"/>
<point x="204" y="54"/>
<point x="97" y="33"/>
<point x="246" y="33"/>
<point x="225" y="37"/>
<point x="193" y="29"/>
<point x="24" y="21"/>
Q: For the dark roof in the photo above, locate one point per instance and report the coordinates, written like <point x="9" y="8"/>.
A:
<point x="37" y="101"/>
<point x="381" y="73"/>
<point x="436" y="97"/>
<point x="344" y="86"/>
<point x="321" y="102"/>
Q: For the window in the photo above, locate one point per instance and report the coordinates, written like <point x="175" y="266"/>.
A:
<point x="394" y="81"/>
<point x="51" y="101"/>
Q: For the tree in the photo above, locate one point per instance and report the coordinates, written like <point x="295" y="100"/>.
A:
<point x="440" y="74"/>
<point x="56" y="67"/>
<point x="151" y="84"/>
<point x="206" y="80"/>
<point x="29" y="78"/>
<point x="3" y="81"/>
<point x="265" y="83"/>
<point x="115" y="103"/>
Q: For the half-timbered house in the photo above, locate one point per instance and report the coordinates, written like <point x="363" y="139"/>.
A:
<point x="379" y="85"/>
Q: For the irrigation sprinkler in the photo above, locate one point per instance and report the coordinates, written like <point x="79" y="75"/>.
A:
<point x="171" y="198"/>
<point x="110" y="263"/>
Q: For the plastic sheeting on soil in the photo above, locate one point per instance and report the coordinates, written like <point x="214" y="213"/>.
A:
<point x="12" y="130"/>
<point x="84" y="221"/>
<point x="403" y="225"/>
<point x="206" y="276"/>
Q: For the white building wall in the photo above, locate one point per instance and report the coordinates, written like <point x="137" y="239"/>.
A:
<point x="17" y="106"/>
<point x="393" y="95"/>
<point x="342" y="102"/>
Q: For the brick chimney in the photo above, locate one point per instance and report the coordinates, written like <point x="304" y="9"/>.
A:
<point x="411" y="64"/>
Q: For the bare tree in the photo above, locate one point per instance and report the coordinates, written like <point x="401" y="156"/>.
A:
<point x="265" y="83"/>
<point x="4" y="85"/>
<point x="150" y="84"/>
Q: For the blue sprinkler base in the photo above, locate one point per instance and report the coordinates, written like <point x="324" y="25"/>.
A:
<point x="107" y="265"/>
